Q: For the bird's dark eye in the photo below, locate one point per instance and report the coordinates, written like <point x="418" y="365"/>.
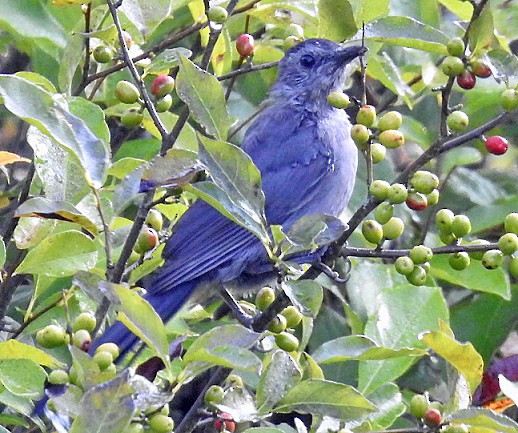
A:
<point x="307" y="61"/>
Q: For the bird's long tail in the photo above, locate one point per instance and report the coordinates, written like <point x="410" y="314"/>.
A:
<point x="165" y="304"/>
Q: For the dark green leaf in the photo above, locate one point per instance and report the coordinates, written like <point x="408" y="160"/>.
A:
<point x="336" y="26"/>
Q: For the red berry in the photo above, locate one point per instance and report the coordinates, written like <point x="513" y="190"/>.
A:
<point x="466" y="80"/>
<point x="245" y="45"/>
<point x="225" y="422"/>
<point x="432" y="418"/>
<point x="480" y="69"/>
<point x="162" y="85"/>
<point x="417" y="201"/>
<point x="496" y="145"/>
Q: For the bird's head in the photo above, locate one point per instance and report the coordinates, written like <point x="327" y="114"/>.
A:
<point x="313" y="69"/>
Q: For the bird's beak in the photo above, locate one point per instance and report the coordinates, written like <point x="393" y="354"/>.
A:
<point x="346" y="54"/>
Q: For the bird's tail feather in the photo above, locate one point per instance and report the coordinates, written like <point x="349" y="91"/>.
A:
<point x="165" y="304"/>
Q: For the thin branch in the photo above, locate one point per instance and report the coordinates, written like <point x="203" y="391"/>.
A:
<point x="248" y="69"/>
<point x="86" y="65"/>
<point x="107" y="234"/>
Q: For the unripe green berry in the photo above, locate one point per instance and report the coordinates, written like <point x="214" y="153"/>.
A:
<point x="338" y="100"/>
<point x="444" y="219"/>
<point x="397" y="193"/>
<point x="509" y="99"/>
<point x="233" y="380"/>
<point x="393" y="229"/>
<point x="404" y="265"/>
<point x="417" y="277"/>
<point x="296" y="30"/>
<point x="390" y="120"/>
<point x="360" y="134"/>
<point x="109" y="347"/>
<point x="293" y="316"/>
<point x="433" y="197"/>
<point x="384" y="212"/>
<point x="218" y="14"/>
<point x="161" y="423"/>
<point x="264" y="298"/>
<point x="51" y="336"/>
<point x="452" y="66"/>
<point x="58" y="377"/>
<point x="513" y="267"/>
<point x="290" y="42"/>
<point x="447" y="238"/>
<point x="378" y="152"/>
<point x="391" y="138"/>
<point x="424" y="181"/>
<point x="84" y="321"/>
<point x="379" y="189"/>
<point x="366" y="115"/>
<point x="132" y="118"/>
<point x="372" y="231"/>
<point x="103" y="359"/>
<point x="456" y="47"/>
<point x="278" y="324"/>
<point x="459" y="260"/>
<point x="492" y="259"/>
<point x="213" y="395"/>
<point x="420" y="254"/>
<point x="508" y="244"/>
<point x="457" y="121"/>
<point x="418" y="405"/>
<point x="460" y="226"/>
<point x="155" y="220"/>
<point x="103" y="54"/>
<point x="477" y="255"/>
<point x="511" y="223"/>
<point x="126" y="92"/>
<point x="286" y="341"/>
<point x="164" y="104"/>
<point x="135" y="427"/>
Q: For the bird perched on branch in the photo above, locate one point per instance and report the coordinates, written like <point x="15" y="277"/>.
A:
<point x="307" y="160"/>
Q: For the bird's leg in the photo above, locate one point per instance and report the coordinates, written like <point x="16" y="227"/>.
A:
<point x="321" y="266"/>
<point x="244" y="318"/>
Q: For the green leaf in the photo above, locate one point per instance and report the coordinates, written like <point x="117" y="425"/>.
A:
<point x="483" y="420"/>
<point x="60" y="255"/>
<point x="504" y="62"/>
<point x="71" y="59"/>
<point x="124" y="166"/>
<point x="461" y="156"/>
<point x="22" y="377"/>
<point x="38" y="79"/>
<point x="326" y="398"/>
<point x="482" y="32"/>
<point x="107" y="407"/>
<point x="167" y="59"/>
<point x="141" y="319"/>
<point x="281" y="374"/>
<point x="14" y="350"/>
<point x="203" y="94"/>
<point x="335" y="26"/>
<point x="474" y="277"/>
<point x="59" y="210"/>
<point x="145" y="15"/>
<point x="390" y="403"/>
<point x="403" y="312"/>
<point x="359" y="347"/>
<point x="405" y="32"/>
<point x="236" y="187"/>
<point x="53" y="119"/>
<point x="491" y="214"/>
<point x="462" y="356"/>
<point x="368" y="11"/>
<point x="461" y="8"/>
<point x="177" y="168"/>
<point x="93" y="117"/>
<point x="2" y="253"/>
<point x="307" y="295"/>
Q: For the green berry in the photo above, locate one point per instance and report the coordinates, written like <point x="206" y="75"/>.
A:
<point x="447" y="238"/>
<point x="444" y="219"/>
<point x="433" y="197"/>
<point x="366" y="115"/>
<point x="278" y="324"/>
<point x="155" y="220"/>
<point x="84" y="321"/>
<point x="492" y="259"/>
<point x="460" y="226"/>
<point x="452" y="66"/>
<point x="103" y="54"/>
<point x="379" y="189"/>
<point x="390" y="120"/>
<point x="218" y="14"/>
<point x="511" y="223"/>
<point x="391" y="138"/>
<point x="290" y="42"/>
<point x="418" y="405"/>
<point x="147" y="240"/>
<point x="513" y="267"/>
<point x="293" y="316"/>
<point x="508" y="244"/>
<point x="393" y="229"/>
<point x="360" y="134"/>
<point x="164" y="104"/>
<point x="296" y="30"/>
<point x="459" y="260"/>
<point x="135" y="427"/>
<point x="264" y="298"/>
<point x="82" y="339"/>
<point x="109" y="347"/>
<point x="404" y="265"/>
<point x="456" y="47"/>
<point x="397" y="193"/>
<point x="161" y="423"/>
<point x="58" y="377"/>
<point x="457" y="121"/>
<point x="378" y="152"/>
<point x="384" y="212"/>
<point x="103" y="359"/>
<point x="424" y="181"/>
<point x="286" y="341"/>
<point x="213" y="395"/>
<point x="338" y="100"/>
<point x="233" y="380"/>
<point x="417" y="277"/>
<point x="477" y="255"/>
<point x="509" y="99"/>
<point x="126" y="92"/>
<point x="132" y="118"/>
<point x="372" y="231"/>
<point x="420" y="254"/>
<point x="51" y="336"/>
